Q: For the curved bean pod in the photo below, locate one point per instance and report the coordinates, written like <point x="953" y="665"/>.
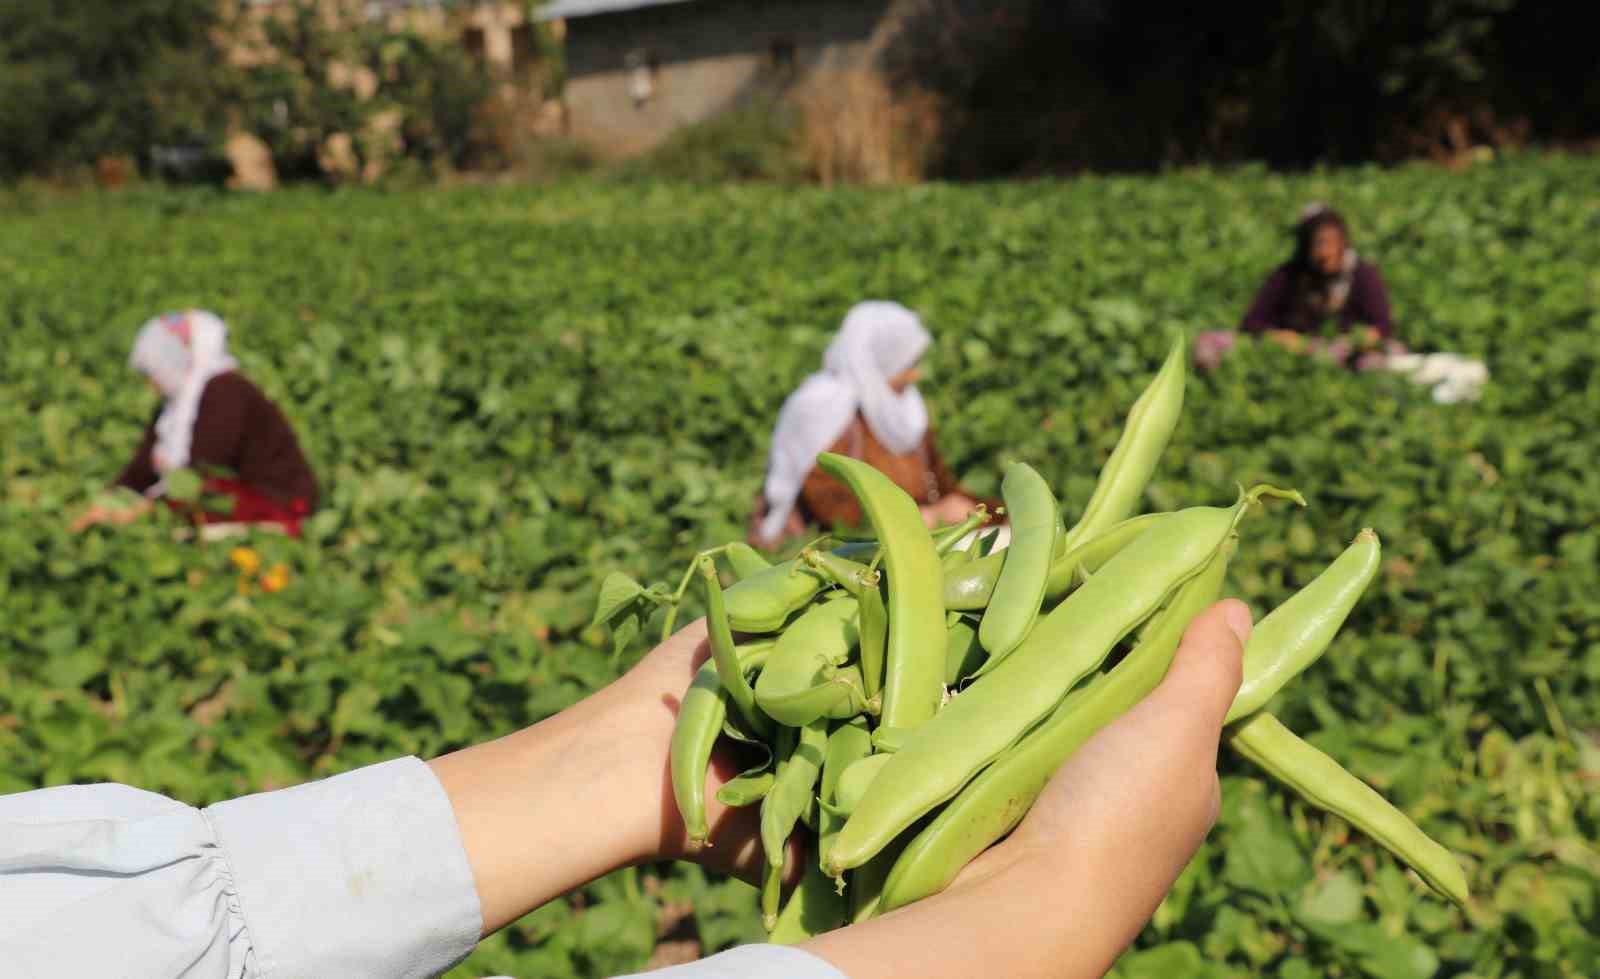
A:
<point x="914" y="660"/>
<point x="1292" y="636"/>
<point x="849" y="743"/>
<point x="745" y="560"/>
<point x="723" y="654"/>
<point x="766" y="599"/>
<point x="1325" y="784"/>
<point x="874" y="634"/>
<point x="969" y="587"/>
<point x="796" y="686"/>
<point x="963" y="655"/>
<point x="852" y="576"/>
<point x="814" y="907"/>
<point x="994" y="803"/>
<point x="1019" y="588"/>
<point x="747" y="789"/>
<point x="1144" y="437"/>
<point x="988" y="717"/>
<point x="790" y="794"/>
<point x="694" y="734"/>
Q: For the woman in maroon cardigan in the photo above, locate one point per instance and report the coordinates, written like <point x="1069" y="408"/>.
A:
<point x="211" y="419"/>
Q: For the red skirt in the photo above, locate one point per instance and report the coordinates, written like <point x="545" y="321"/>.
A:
<point x="251" y="506"/>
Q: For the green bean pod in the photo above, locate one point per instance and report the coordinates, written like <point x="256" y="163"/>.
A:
<point x="969" y="588"/>
<point x="723" y="654"/>
<point x="1325" y="784"/>
<point x="745" y="560"/>
<point x="994" y="803"/>
<point x="914" y="660"/>
<point x="1144" y="437"/>
<point x="1073" y="640"/>
<point x="874" y="636"/>
<point x="1293" y="635"/>
<point x="747" y="789"/>
<point x="694" y="734"/>
<point x="764" y="601"/>
<point x="799" y="684"/>
<point x="854" y="782"/>
<point x="791" y="791"/>
<point x="852" y="576"/>
<point x="814" y="907"/>
<point x="1019" y="589"/>
<point x="771" y="895"/>
<point x="867" y="880"/>
<point x="963" y="655"/>
<point x="849" y="742"/>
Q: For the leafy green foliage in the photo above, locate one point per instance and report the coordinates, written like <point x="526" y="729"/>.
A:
<point x="94" y="77"/>
<point x="510" y="393"/>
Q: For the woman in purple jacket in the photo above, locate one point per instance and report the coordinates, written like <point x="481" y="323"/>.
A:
<point x="1324" y="279"/>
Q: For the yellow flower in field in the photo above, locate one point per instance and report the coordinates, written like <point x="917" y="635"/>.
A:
<point x="245" y="559"/>
<point x="275" y="579"/>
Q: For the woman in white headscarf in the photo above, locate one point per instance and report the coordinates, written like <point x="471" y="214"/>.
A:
<point x="214" y="420"/>
<point x="864" y="403"/>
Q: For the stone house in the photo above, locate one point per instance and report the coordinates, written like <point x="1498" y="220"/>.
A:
<point x="638" y="69"/>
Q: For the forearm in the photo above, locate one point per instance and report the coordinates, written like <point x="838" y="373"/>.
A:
<point x="547" y="809"/>
<point x="586" y="792"/>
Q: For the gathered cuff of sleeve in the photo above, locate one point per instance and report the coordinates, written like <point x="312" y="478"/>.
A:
<point x="751" y="962"/>
<point x="361" y="874"/>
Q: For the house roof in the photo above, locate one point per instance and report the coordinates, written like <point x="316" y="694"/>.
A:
<point x="571" y="9"/>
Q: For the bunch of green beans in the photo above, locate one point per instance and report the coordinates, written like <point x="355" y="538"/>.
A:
<point x="906" y="700"/>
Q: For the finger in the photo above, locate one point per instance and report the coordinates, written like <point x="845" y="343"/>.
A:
<point x="1206" y="672"/>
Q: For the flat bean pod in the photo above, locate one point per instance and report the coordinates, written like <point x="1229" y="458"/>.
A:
<point x="969" y="587"/>
<point x="814" y="907"/>
<point x="1019" y="588"/>
<point x="874" y="637"/>
<point x="790" y="794"/>
<point x="1325" y="784"/>
<point x="914" y="659"/>
<point x="747" y="789"/>
<point x="963" y="654"/>
<point x="797" y="685"/>
<point x="720" y="636"/>
<point x="1144" y="438"/>
<point x="849" y="742"/>
<point x="766" y="599"/>
<point x="988" y="717"/>
<point x="854" y="781"/>
<point x="746" y="561"/>
<point x="694" y="735"/>
<point x="993" y="804"/>
<point x="1292" y="636"/>
<point x="852" y="576"/>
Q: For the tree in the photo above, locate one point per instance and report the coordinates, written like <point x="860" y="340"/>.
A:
<point x="90" y="78"/>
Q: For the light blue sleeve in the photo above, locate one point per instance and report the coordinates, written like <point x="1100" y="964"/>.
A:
<point x="750" y="962"/>
<point x="358" y="875"/>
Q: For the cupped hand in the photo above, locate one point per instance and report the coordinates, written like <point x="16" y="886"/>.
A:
<point x="657" y="684"/>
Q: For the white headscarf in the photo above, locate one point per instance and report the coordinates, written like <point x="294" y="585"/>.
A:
<point x="876" y="341"/>
<point x="180" y="352"/>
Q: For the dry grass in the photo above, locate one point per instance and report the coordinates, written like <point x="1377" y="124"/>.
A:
<point x="855" y="129"/>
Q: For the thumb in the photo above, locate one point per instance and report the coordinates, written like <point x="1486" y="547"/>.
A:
<point x="1209" y="666"/>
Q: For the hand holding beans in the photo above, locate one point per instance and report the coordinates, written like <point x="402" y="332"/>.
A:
<point x="960" y="748"/>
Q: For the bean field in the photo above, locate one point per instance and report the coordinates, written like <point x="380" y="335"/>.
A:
<point x="508" y="393"/>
